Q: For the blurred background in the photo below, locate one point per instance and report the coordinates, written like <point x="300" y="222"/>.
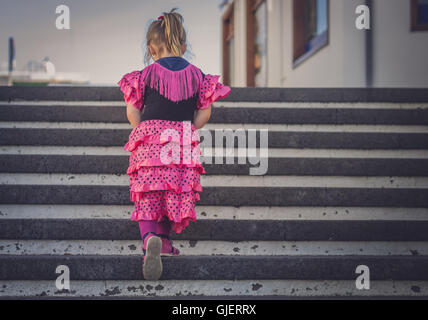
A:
<point x="105" y="39"/>
<point x="263" y="43"/>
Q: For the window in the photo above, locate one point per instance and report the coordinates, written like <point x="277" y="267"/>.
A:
<point x="256" y="43"/>
<point x="419" y="15"/>
<point x="310" y="22"/>
<point x="228" y="47"/>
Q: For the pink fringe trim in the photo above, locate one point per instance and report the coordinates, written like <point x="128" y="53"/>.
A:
<point x="173" y="85"/>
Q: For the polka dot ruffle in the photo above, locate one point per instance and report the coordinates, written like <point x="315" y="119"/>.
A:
<point x="161" y="189"/>
<point x="211" y="91"/>
<point x="132" y="89"/>
<point x="178" y="207"/>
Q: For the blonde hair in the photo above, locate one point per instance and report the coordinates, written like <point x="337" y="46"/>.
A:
<point x="167" y="34"/>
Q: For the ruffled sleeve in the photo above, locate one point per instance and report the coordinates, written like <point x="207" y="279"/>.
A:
<point x="211" y="90"/>
<point x="133" y="91"/>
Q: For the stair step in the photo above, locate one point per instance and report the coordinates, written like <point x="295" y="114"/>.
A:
<point x="115" y="212"/>
<point x="328" y="114"/>
<point x="225" y="126"/>
<point x="208" y="247"/>
<point x="90" y="267"/>
<point x="386" y="182"/>
<point x="224" y="196"/>
<point x="225" y="230"/>
<point x="208" y="153"/>
<point x="216" y="289"/>
<point x="80" y="164"/>
<point x="119" y="137"/>
<point x="348" y="95"/>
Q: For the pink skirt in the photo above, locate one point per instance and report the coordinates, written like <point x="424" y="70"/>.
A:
<point x="164" y="171"/>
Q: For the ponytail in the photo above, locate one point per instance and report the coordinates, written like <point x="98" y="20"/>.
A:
<point x="174" y="31"/>
<point x="167" y="32"/>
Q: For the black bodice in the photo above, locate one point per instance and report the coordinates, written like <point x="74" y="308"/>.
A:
<point x="157" y="107"/>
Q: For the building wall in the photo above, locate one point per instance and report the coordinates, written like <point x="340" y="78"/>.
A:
<point x="354" y="47"/>
<point x="400" y="56"/>
<point x="340" y="63"/>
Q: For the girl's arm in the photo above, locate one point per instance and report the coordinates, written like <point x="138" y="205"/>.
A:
<point x="134" y="115"/>
<point x="201" y="117"/>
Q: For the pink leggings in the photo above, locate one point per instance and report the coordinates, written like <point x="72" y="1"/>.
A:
<point x="163" y="227"/>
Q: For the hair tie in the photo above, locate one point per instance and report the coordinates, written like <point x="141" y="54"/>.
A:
<point x="160" y="18"/>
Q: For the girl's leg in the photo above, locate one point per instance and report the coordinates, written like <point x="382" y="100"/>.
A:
<point x="147" y="229"/>
<point x="164" y="231"/>
<point x="164" y="227"/>
<point x="152" y="246"/>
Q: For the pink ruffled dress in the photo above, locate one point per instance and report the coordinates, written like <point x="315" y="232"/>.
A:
<point x="164" y="165"/>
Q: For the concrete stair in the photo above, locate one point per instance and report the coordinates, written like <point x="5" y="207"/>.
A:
<point x="347" y="185"/>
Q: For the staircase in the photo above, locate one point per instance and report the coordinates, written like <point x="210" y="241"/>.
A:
<point x="347" y="185"/>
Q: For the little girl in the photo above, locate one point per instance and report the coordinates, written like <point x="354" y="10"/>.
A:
<point x="170" y="93"/>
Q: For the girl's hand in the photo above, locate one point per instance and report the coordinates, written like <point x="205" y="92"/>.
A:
<point x="201" y="117"/>
<point x="134" y="115"/>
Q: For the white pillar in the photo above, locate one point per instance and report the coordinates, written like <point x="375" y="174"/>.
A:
<point x="275" y="40"/>
<point x="240" y="32"/>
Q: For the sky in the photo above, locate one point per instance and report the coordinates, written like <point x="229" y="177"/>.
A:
<point x="106" y="38"/>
